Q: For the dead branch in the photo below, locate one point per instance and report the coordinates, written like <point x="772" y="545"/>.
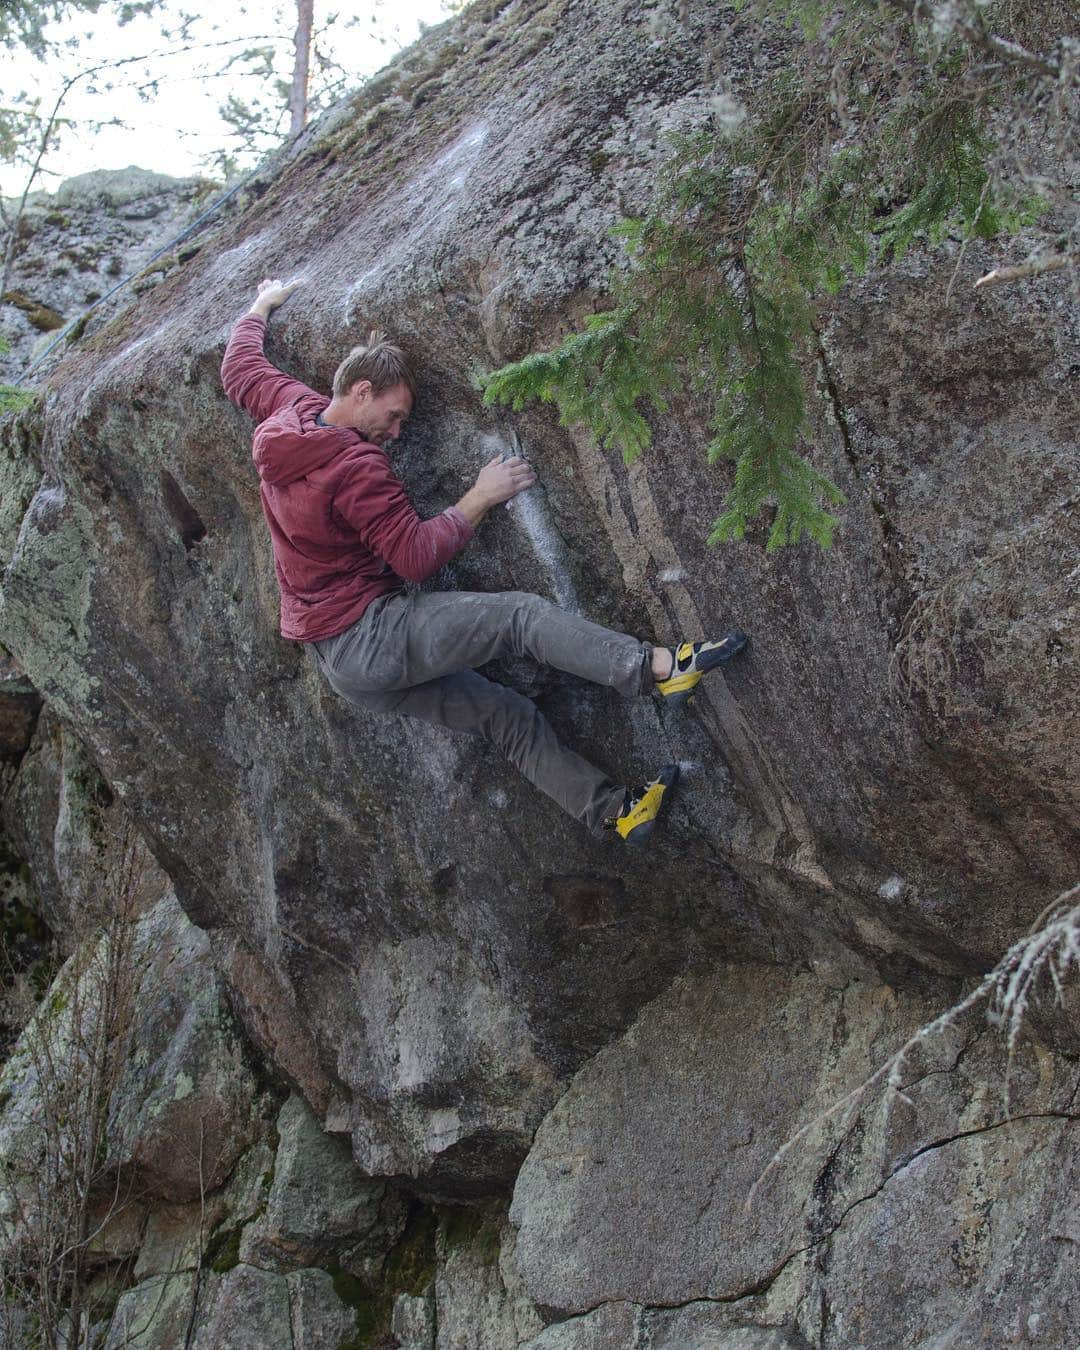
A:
<point x="1050" y="948"/>
<point x="1034" y="266"/>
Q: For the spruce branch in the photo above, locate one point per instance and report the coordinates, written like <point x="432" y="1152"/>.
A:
<point x="752" y="232"/>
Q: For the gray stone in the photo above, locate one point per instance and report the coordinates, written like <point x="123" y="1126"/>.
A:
<point x="319" y="1201"/>
<point x="413" y="1322"/>
<point x="678" y="1119"/>
<point x="614" y="1326"/>
<point x="527" y="1320"/>
<point x="60" y="815"/>
<point x="186" y="1105"/>
<point x="705" y="1326"/>
<point x="427" y="1021"/>
<point x="116" y="1227"/>
<point x="74" y="245"/>
<point x="174" y="1238"/>
<point x="118" y="187"/>
<point x="479" y="1302"/>
<point x="20" y="704"/>
<point x="154" y="1315"/>
<point x="245" y="1309"/>
<point x="28" y="818"/>
<point x="965" y="1247"/>
<point x="319" y="1319"/>
<point x="653" y="1179"/>
<point x="245" y="1195"/>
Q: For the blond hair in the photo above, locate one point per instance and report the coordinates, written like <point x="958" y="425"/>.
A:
<point x="380" y="362"/>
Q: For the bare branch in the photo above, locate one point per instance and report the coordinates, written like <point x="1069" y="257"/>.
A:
<point x="1051" y="947"/>
<point x="970" y="27"/>
<point x="1034" y="266"/>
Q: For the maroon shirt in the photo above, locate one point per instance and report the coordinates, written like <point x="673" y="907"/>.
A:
<point x="342" y="528"/>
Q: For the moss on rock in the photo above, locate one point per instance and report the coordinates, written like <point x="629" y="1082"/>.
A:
<point x="42" y="317"/>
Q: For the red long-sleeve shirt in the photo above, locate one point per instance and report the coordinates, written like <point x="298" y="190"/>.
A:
<point x="343" y="530"/>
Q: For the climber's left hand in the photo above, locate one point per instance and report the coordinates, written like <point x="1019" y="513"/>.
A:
<point x="274" y="292"/>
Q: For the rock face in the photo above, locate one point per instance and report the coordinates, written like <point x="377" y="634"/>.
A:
<point x="76" y="244"/>
<point x="652" y="1182"/>
<point x="878" y="798"/>
<point x="181" y="1108"/>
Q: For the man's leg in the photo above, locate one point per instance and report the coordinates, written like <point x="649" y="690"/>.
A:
<point x="511" y="722"/>
<point x="407" y="640"/>
<point x="414" y="645"/>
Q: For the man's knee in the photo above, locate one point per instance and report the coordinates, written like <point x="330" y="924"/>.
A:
<point x="526" y="610"/>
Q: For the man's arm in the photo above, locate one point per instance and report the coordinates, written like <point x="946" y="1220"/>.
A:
<point x="496" y="482"/>
<point x="374" y="502"/>
<point x="247" y="376"/>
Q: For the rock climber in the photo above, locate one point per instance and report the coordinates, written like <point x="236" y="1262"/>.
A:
<point x="345" y="539"/>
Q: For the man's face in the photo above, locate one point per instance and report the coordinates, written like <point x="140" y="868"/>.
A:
<point x="380" y="417"/>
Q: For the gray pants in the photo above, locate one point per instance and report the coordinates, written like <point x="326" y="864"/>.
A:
<point x="410" y="654"/>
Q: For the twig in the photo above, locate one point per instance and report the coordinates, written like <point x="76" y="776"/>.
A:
<point x="967" y="240"/>
<point x="51" y="121"/>
<point x="13" y="228"/>
<point x="197" y="1277"/>
<point x="1033" y="267"/>
<point x="1052" y="944"/>
<point x="971" y="28"/>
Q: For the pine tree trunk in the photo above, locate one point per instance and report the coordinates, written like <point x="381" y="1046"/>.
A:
<point x="305" y="10"/>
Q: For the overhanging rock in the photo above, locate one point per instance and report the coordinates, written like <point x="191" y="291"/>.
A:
<point x="462" y="200"/>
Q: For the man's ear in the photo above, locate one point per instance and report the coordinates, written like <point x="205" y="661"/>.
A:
<point x="360" y="391"/>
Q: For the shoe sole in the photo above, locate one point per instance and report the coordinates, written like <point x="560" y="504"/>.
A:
<point x="639" y="838"/>
<point x="734" y="642"/>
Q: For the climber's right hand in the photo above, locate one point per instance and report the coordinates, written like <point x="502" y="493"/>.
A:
<point x="502" y="479"/>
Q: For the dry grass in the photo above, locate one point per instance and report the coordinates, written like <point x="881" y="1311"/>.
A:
<point x="1047" y="958"/>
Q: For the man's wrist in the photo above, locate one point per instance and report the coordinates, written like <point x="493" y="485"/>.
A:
<point x="474" y="506"/>
<point x="260" y="309"/>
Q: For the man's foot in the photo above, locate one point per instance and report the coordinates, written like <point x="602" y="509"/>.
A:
<point x="642" y="805"/>
<point x="691" y="660"/>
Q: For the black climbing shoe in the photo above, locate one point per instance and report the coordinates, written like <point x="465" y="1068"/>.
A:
<point x="691" y="660"/>
<point x="641" y="807"/>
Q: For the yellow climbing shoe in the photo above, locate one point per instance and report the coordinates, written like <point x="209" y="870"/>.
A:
<point x="691" y="660"/>
<point x="641" y="807"/>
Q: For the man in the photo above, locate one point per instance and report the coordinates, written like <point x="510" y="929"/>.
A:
<point x="345" y="534"/>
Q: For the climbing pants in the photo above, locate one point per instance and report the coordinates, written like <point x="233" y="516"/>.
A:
<point x="412" y="654"/>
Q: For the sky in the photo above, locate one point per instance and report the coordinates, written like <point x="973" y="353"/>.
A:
<point x="178" y="124"/>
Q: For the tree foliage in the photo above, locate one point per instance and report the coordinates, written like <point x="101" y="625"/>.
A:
<point x="881" y="131"/>
<point x="257" y="120"/>
<point x="23" y="22"/>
